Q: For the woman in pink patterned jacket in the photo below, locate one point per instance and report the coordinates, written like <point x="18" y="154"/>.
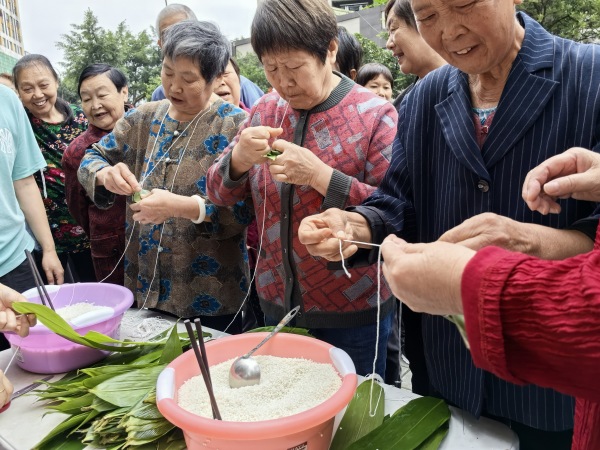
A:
<point x="334" y="138"/>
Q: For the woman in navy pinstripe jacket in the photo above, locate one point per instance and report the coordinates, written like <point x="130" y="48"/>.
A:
<point x="467" y="136"/>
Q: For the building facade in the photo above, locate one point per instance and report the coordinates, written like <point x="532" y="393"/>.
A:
<point x="11" y="38"/>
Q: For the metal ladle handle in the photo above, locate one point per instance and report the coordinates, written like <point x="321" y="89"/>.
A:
<point x="289" y="316"/>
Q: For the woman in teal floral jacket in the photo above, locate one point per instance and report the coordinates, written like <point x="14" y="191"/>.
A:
<point x="186" y="256"/>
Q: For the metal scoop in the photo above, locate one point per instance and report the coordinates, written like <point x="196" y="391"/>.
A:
<point x="245" y="371"/>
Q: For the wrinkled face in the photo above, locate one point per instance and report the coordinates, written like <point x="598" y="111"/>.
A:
<point x="185" y="87"/>
<point x="102" y="104"/>
<point x="380" y="86"/>
<point x="37" y="89"/>
<point x="227" y="86"/>
<point x="476" y="36"/>
<point x="407" y="46"/>
<point x="299" y="77"/>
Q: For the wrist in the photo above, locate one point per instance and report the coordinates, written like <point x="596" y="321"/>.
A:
<point x="201" y="216"/>
<point x="238" y="167"/>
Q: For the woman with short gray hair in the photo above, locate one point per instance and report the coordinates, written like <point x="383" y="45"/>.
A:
<point x="188" y="256"/>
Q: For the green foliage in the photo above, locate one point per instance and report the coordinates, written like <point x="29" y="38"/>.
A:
<point x="572" y="19"/>
<point x="137" y="56"/>
<point x="252" y="69"/>
<point x="373" y="53"/>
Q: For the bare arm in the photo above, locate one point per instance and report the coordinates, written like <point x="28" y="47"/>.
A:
<point x="30" y="202"/>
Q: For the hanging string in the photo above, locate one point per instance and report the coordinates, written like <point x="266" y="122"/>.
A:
<point x="12" y="359"/>
<point x="260" y="242"/>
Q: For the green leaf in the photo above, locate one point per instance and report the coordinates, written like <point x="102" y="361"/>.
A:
<point x="435" y="440"/>
<point x="357" y="420"/>
<point x="459" y="321"/>
<point x="126" y="389"/>
<point x="273" y="154"/>
<point x="63" y="427"/>
<point x="291" y="330"/>
<point x="408" y="427"/>
<point x="172" y="348"/>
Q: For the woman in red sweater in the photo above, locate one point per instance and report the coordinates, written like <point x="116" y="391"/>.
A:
<point x="528" y="320"/>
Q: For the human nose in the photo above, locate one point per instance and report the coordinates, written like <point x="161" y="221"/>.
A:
<point x="451" y="30"/>
<point x="389" y="44"/>
<point x="37" y="93"/>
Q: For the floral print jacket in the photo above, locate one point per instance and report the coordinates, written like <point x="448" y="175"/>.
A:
<point x="177" y="266"/>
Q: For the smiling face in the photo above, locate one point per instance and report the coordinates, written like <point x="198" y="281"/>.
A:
<point x="102" y="104"/>
<point x="227" y="86"/>
<point x="300" y="77"/>
<point x="185" y="88"/>
<point x="476" y="36"/>
<point x="38" y="90"/>
<point x="380" y="86"/>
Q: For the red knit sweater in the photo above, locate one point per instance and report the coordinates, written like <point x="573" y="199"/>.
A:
<point x="536" y="321"/>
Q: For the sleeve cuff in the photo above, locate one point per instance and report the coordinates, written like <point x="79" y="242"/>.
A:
<point x="338" y="191"/>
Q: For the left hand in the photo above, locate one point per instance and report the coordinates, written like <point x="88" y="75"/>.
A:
<point x="52" y="267"/>
<point x="155" y="207"/>
<point x="427" y="277"/>
<point x="488" y="229"/>
<point x="297" y="165"/>
<point x="6" y="389"/>
<point x="9" y="321"/>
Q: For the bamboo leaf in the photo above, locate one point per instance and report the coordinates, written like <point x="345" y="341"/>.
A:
<point x="291" y="330"/>
<point x="459" y="321"/>
<point x="408" y="427"/>
<point x="172" y="348"/>
<point x="435" y="440"/>
<point x="126" y="389"/>
<point x="61" y="431"/>
<point x="357" y="420"/>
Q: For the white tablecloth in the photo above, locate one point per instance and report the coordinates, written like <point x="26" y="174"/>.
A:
<point x="24" y="424"/>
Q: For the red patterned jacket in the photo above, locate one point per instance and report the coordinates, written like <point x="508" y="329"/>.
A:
<point x="104" y="227"/>
<point x="352" y="131"/>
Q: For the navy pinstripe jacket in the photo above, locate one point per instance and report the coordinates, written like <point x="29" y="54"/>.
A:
<point x="439" y="177"/>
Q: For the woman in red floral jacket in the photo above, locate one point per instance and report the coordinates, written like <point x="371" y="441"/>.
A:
<point x="103" y="92"/>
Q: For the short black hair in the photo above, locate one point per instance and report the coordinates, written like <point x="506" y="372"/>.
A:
<point x="349" y="55"/>
<point x="372" y="70"/>
<point x="402" y="10"/>
<point x="235" y="66"/>
<point x="280" y="25"/>
<point x="117" y="77"/>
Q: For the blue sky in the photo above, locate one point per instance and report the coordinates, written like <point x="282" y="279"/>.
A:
<point x="43" y="21"/>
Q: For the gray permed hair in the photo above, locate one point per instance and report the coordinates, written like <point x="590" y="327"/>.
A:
<point x="173" y="10"/>
<point x="202" y="42"/>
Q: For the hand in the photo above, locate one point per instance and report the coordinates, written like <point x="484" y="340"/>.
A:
<point x="321" y="233"/>
<point x="52" y="267"/>
<point x="427" y="277"/>
<point x="9" y="321"/>
<point x="156" y="207"/>
<point x="492" y="229"/>
<point x="298" y="165"/>
<point x="118" y="179"/>
<point x="251" y="148"/>
<point x="574" y="173"/>
<point x="6" y="389"/>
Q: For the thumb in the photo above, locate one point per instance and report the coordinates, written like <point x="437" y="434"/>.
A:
<point x="274" y="132"/>
<point x="569" y="185"/>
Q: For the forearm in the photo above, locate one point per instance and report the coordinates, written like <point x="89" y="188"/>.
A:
<point x="551" y="243"/>
<point x="187" y="208"/>
<point x="321" y="180"/>
<point x="30" y="202"/>
<point x="237" y="167"/>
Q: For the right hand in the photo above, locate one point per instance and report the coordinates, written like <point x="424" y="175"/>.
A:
<point x="6" y="390"/>
<point x="52" y="267"/>
<point x="574" y="173"/>
<point x="321" y="233"/>
<point x="9" y="321"/>
<point x="252" y="147"/>
<point x="118" y="179"/>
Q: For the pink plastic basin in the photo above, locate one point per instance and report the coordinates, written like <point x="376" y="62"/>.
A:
<point x="45" y="352"/>
<point x="309" y="430"/>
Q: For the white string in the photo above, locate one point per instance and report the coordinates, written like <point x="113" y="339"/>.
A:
<point x="372" y="410"/>
<point x="265" y="166"/>
<point x="12" y="359"/>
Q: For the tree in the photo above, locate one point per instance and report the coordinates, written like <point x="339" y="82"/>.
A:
<point x="252" y="69"/>
<point x="136" y="55"/>
<point x="578" y="20"/>
<point x="373" y="53"/>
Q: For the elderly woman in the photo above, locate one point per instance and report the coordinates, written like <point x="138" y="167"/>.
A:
<point x="186" y="256"/>
<point x="103" y="92"/>
<point x="334" y="139"/>
<point x="512" y="96"/>
<point x="228" y="85"/>
<point x="55" y="124"/>
<point x="377" y="78"/>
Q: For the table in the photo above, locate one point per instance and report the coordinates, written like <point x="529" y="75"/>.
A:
<point x="24" y="424"/>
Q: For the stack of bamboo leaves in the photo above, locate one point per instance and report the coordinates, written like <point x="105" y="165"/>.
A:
<point x="112" y="404"/>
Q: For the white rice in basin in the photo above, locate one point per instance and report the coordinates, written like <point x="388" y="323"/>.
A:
<point x="287" y="386"/>
<point x="77" y="309"/>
